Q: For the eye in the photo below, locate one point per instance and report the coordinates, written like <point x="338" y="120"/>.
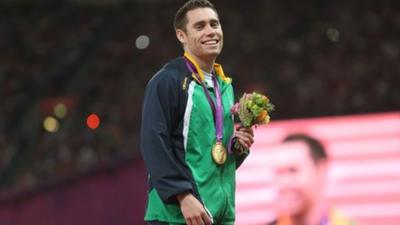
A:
<point x="198" y="27"/>
<point x="214" y="24"/>
<point x="293" y="170"/>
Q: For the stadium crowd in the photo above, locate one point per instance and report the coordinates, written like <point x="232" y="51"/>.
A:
<point x="321" y="58"/>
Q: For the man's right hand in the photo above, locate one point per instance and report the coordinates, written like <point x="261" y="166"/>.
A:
<point x="193" y="211"/>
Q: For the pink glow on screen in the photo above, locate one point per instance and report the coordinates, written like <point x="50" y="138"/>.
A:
<point x="364" y="176"/>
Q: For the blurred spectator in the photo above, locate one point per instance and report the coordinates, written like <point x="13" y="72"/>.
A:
<point x="300" y="178"/>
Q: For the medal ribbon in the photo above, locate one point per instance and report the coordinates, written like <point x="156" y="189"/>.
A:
<point x="215" y="106"/>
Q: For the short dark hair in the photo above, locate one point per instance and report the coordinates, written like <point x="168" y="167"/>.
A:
<point x="317" y="150"/>
<point x="180" y="20"/>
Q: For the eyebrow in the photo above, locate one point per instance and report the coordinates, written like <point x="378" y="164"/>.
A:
<point x="202" y="22"/>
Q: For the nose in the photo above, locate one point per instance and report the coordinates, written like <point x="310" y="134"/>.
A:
<point x="209" y="30"/>
<point x="285" y="182"/>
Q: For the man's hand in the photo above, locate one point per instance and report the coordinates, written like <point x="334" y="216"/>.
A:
<point x="245" y="136"/>
<point x="193" y="211"/>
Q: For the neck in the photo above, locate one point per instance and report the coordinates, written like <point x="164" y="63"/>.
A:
<point x="206" y="65"/>
<point x="312" y="216"/>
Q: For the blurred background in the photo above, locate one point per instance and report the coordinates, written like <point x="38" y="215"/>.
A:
<point x="73" y="73"/>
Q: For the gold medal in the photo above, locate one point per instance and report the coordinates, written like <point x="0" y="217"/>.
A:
<point x="219" y="153"/>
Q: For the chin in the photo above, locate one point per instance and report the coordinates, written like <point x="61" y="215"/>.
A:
<point x="291" y="207"/>
<point x="214" y="53"/>
<point x="296" y="210"/>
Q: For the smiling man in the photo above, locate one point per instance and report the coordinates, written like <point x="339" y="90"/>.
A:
<point x="187" y="128"/>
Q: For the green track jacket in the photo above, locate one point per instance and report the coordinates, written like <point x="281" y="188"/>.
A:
<point x="177" y="135"/>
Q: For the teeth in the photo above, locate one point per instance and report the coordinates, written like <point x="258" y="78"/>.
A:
<point x="210" y="42"/>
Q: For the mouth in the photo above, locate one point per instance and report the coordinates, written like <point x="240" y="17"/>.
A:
<point x="210" y="42"/>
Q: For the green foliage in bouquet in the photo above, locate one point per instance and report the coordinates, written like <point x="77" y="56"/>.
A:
<point x="253" y="109"/>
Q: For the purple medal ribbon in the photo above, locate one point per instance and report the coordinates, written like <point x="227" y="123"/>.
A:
<point x="216" y="107"/>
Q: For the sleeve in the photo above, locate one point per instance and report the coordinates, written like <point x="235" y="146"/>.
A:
<point x="239" y="158"/>
<point x="167" y="176"/>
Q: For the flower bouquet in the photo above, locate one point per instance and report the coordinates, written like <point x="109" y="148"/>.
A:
<point x="252" y="110"/>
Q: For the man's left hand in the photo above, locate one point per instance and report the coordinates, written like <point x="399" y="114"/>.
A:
<point x="245" y="136"/>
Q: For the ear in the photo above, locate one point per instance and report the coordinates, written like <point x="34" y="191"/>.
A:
<point x="181" y="35"/>
<point x="323" y="168"/>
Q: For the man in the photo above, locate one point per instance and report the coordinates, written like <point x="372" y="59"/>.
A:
<point x="301" y="172"/>
<point x="187" y="128"/>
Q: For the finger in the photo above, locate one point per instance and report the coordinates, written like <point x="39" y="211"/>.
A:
<point x="245" y="137"/>
<point x="251" y="131"/>
<point x="243" y="143"/>
<point x="244" y="133"/>
<point x="191" y="221"/>
<point x="198" y="220"/>
<point x="247" y="130"/>
<point x="248" y="136"/>
<point x="251" y="139"/>
<point x="206" y="219"/>
<point x="188" y="221"/>
<point x="243" y="140"/>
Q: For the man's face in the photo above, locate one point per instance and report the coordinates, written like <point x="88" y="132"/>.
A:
<point x="203" y="37"/>
<point x="298" y="179"/>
